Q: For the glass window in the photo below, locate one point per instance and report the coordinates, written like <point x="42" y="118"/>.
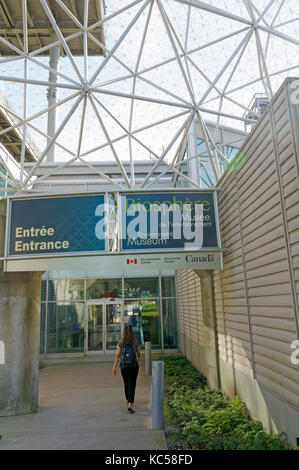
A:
<point x="65" y="327"/>
<point x="230" y="152"/>
<point x="143" y="316"/>
<point x="44" y="291"/>
<point x="66" y="289"/>
<point x="42" y="327"/>
<point x="168" y="286"/>
<point x="103" y="288"/>
<point x="95" y="327"/>
<point x="170" y="324"/>
<point x="2" y="181"/>
<point x="180" y="181"/>
<point x="141" y="287"/>
<point x="205" y="169"/>
<point x="113" y="326"/>
<point x="65" y="319"/>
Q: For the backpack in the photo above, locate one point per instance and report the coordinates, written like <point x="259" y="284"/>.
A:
<point x="127" y="357"/>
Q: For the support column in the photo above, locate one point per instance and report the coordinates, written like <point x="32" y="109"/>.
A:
<point x="19" y="336"/>
<point x="210" y="329"/>
<point x="52" y="96"/>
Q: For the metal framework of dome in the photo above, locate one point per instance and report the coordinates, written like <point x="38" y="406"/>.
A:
<point x="135" y="75"/>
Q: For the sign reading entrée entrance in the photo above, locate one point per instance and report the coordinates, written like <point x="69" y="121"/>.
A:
<point x="123" y="229"/>
<point x="55" y="225"/>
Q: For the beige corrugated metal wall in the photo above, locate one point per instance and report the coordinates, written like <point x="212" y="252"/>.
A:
<point x="191" y="325"/>
<point x="257" y="293"/>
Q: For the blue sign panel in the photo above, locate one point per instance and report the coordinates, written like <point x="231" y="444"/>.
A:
<point x="157" y="221"/>
<point x="57" y="225"/>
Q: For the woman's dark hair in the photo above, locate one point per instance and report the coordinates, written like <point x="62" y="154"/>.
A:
<point x="128" y="335"/>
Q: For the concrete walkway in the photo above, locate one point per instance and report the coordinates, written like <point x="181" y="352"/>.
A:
<point x="82" y="406"/>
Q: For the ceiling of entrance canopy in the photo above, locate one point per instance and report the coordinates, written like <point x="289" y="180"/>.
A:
<point x="68" y="15"/>
<point x="145" y="70"/>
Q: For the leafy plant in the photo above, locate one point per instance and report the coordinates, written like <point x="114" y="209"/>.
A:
<point x="180" y="371"/>
<point x="208" y="419"/>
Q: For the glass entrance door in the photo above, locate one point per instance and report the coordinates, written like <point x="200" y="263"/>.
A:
<point x="113" y="324"/>
<point x="103" y="323"/>
<point x="95" y="327"/>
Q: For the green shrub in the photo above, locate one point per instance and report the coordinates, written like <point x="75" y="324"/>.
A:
<point x="255" y="441"/>
<point x="180" y="371"/>
<point x="208" y="419"/>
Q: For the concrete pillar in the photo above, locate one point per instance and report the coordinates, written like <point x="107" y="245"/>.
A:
<point x="210" y="329"/>
<point x="19" y="336"/>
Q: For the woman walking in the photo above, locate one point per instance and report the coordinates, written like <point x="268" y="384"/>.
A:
<point x="128" y="350"/>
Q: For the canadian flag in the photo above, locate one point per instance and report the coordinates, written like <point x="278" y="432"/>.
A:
<point x="129" y="261"/>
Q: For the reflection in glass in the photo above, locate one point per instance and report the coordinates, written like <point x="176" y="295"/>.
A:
<point x="44" y="291"/>
<point x="168" y="286"/>
<point x="65" y="327"/>
<point x="65" y="324"/>
<point x="143" y="316"/>
<point x="42" y="327"/>
<point x="103" y="288"/>
<point x="170" y="324"/>
<point x="66" y="289"/>
<point x="3" y="184"/>
<point x="205" y="169"/>
<point x="95" y="328"/>
<point x="141" y="287"/>
<point x="113" y="325"/>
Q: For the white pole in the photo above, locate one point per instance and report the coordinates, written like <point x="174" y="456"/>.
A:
<point x="25" y="41"/>
<point x="52" y="97"/>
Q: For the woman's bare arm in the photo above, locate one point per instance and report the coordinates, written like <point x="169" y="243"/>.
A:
<point x="117" y="354"/>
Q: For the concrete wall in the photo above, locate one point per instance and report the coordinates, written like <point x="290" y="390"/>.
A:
<point x="19" y="336"/>
<point x="257" y="293"/>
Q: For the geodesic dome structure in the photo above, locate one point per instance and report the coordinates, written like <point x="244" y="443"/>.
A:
<point x="135" y="90"/>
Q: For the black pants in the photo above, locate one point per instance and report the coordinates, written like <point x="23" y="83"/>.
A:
<point x="130" y="377"/>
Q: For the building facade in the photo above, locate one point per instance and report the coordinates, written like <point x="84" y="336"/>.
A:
<point x="87" y="315"/>
<point x="77" y="307"/>
<point x="256" y="296"/>
<point x="239" y="326"/>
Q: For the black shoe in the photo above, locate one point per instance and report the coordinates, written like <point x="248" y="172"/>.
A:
<point x="130" y="410"/>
